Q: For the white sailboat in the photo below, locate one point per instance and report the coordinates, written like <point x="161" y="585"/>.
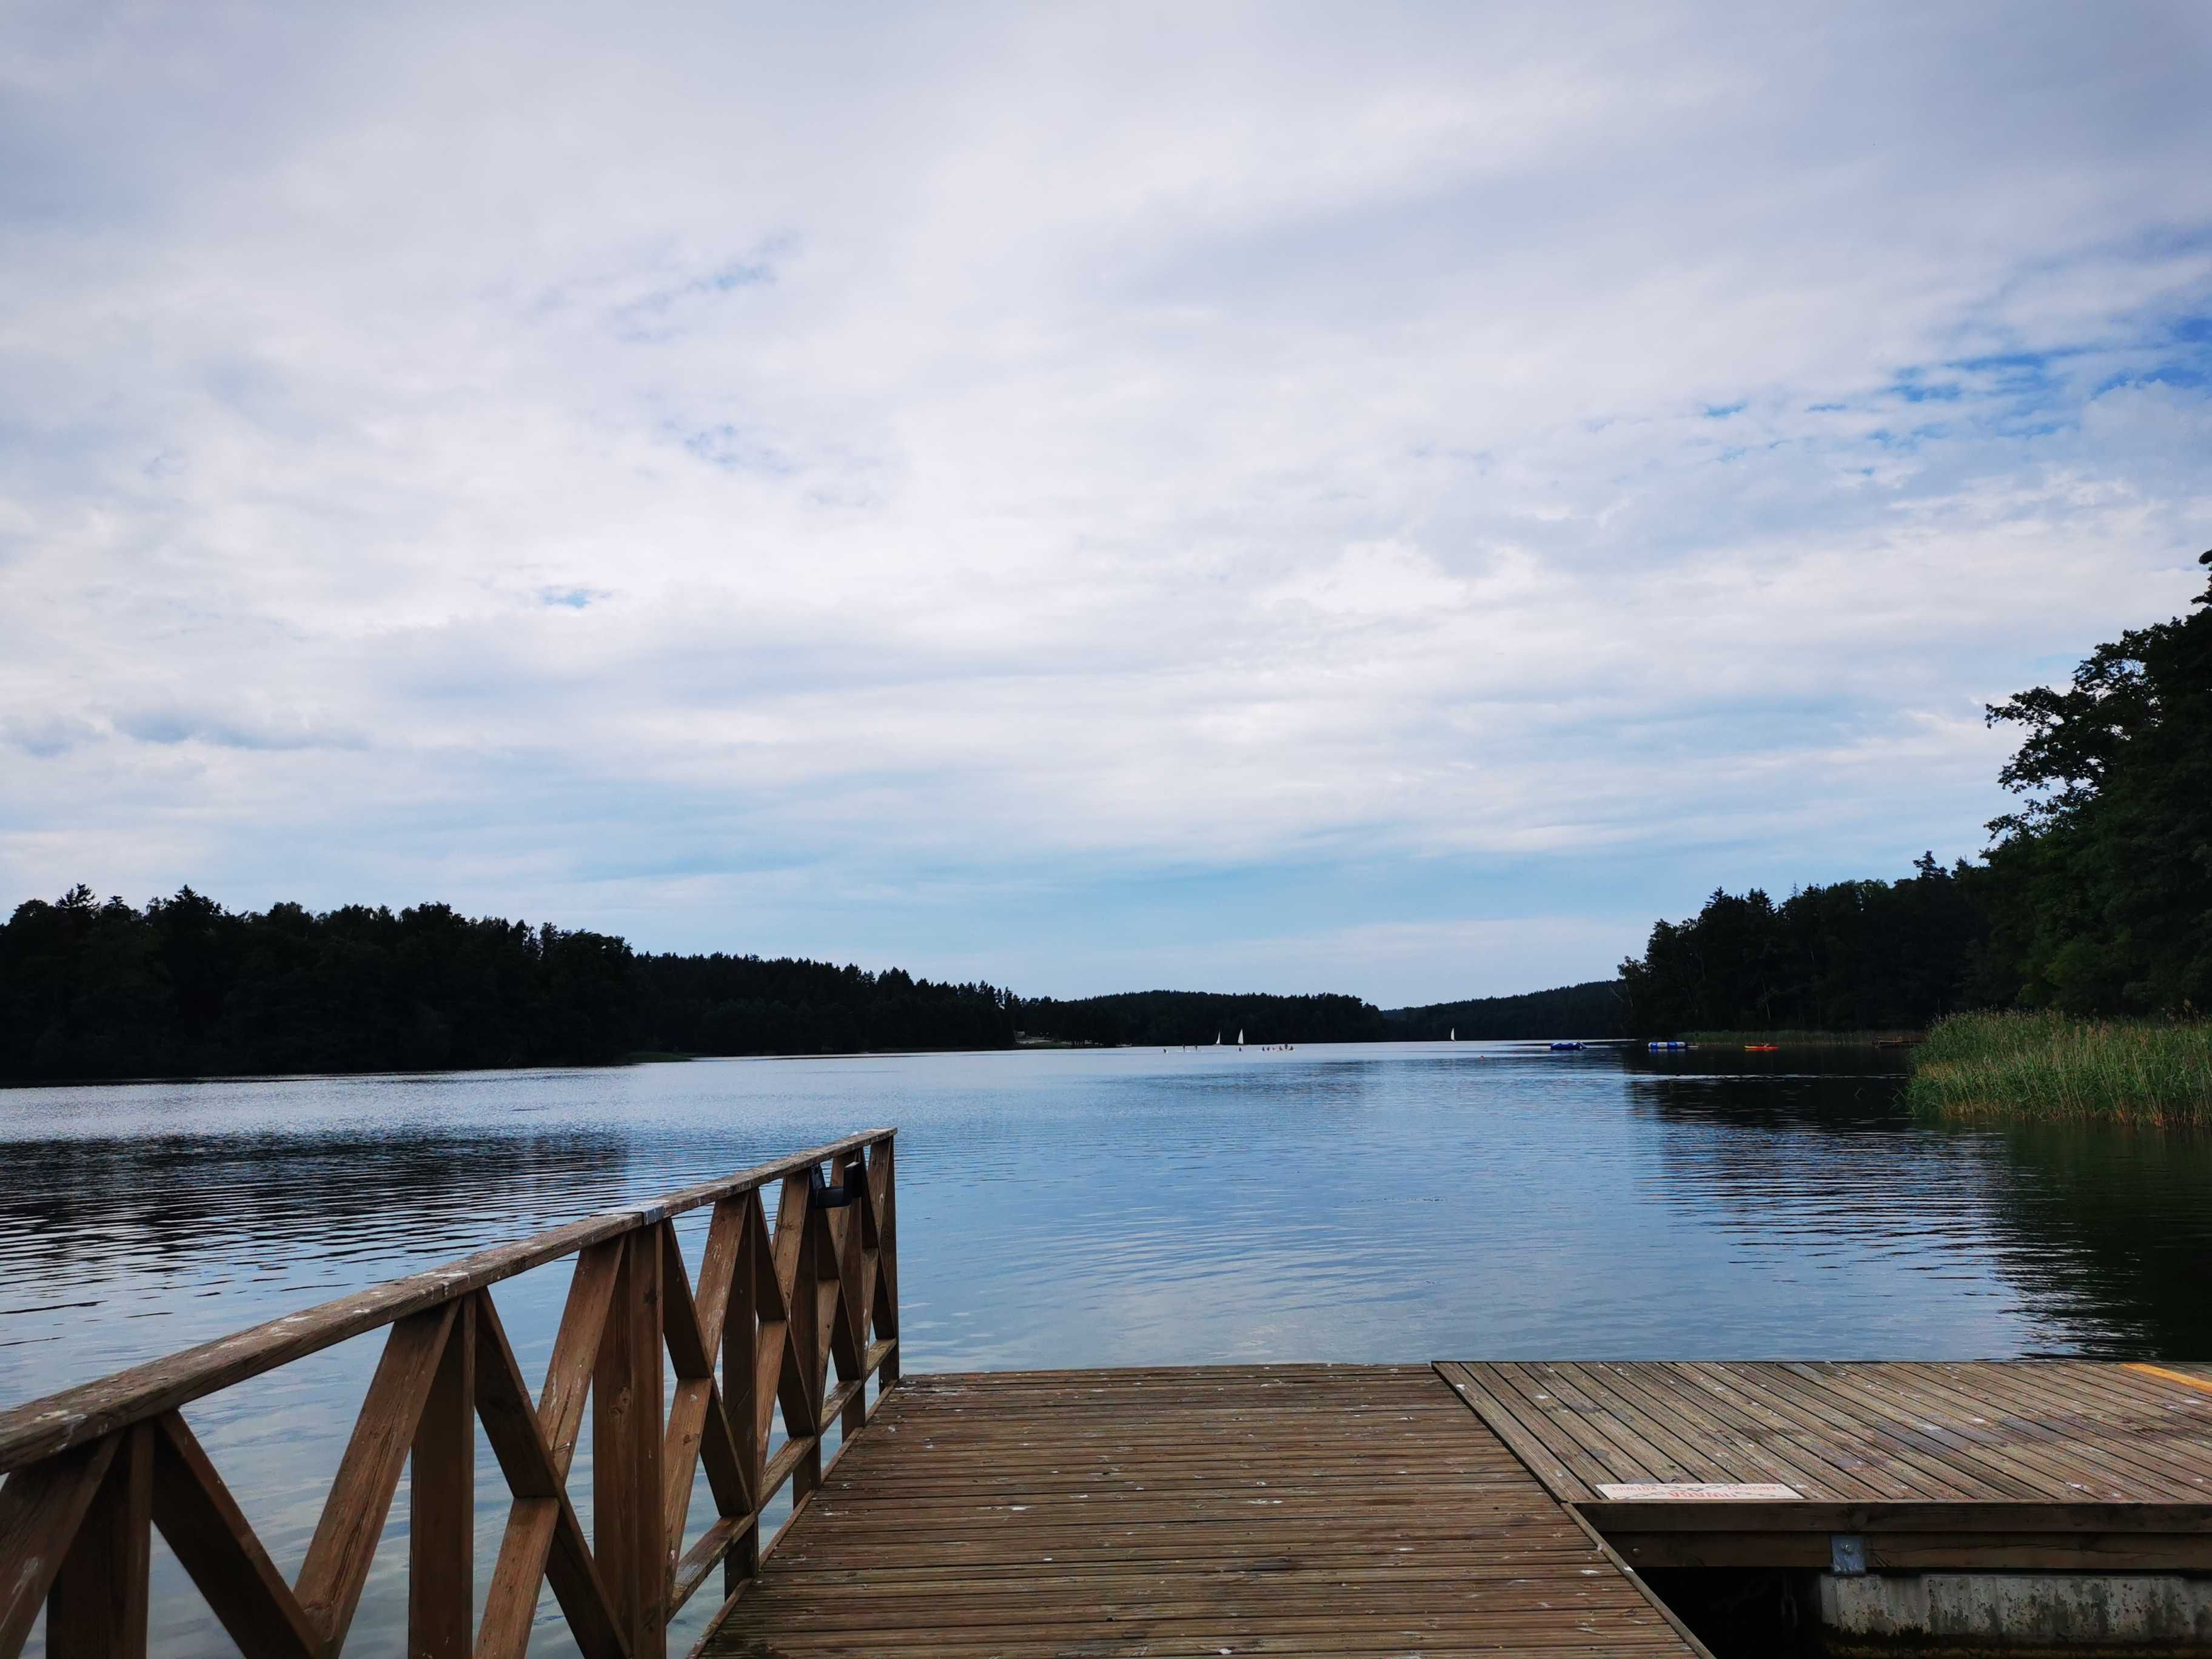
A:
<point x="1454" y="1037"/>
<point x="1217" y="1039"/>
<point x="1240" y="1037"/>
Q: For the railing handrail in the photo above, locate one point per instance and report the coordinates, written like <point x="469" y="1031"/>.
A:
<point x="40" y="1428"/>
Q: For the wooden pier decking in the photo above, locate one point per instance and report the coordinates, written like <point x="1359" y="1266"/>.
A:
<point x="1983" y="1464"/>
<point x="1259" y="1509"/>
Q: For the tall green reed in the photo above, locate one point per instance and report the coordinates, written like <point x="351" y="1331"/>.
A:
<point x="2049" y="1067"/>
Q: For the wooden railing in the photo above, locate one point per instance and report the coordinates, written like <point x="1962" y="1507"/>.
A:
<point x="92" y="1471"/>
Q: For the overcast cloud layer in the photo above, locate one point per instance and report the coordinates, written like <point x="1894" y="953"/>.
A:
<point x="1389" y="499"/>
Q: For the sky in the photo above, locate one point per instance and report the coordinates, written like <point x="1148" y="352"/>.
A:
<point x="1384" y="499"/>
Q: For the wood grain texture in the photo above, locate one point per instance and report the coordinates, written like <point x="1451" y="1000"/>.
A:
<point x="41" y="1509"/>
<point x="1965" y="1466"/>
<point x="441" y="1502"/>
<point x="346" y="1537"/>
<point x="1294" y="1510"/>
<point x="629" y="1539"/>
<point x="2040" y="1433"/>
<point x="97" y="1608"/>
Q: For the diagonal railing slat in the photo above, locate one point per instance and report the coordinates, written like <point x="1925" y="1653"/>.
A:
<point x="210" y="1535"/>
<point x="544" y="1540"/>
<point x="368" y="1474"/>
<point x="91" y="1472"/>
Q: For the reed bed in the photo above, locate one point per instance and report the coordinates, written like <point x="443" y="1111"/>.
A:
<point x="1804" y="1039"/>
<point x="2050" y="1068"/>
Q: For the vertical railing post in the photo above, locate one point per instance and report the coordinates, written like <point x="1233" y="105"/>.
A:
<point x="741" y="1385"/>
<point x="798" y="1227"/>
<point x="97" y="1606"/>
<point x="628" y="1531"/>
<point x="883" y="1177"/>
<point x="852" y="1330"/>
<point x="441" y="1499"/>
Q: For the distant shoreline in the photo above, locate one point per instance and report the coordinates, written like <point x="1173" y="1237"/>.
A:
<point x="629" y="1061"/>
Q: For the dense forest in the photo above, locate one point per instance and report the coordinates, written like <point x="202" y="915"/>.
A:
<point x="185" y="987"/>
<point x="2095" y="897"/>
<point x="1853" y="956"/>
<point x="1174" y="1018"/>
<point x="1598" y="1008"/>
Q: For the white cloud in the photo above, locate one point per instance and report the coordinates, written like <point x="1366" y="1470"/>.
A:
<point x="577" y="464"/>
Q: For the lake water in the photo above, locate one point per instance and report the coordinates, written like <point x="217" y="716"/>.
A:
<point x="1367" y="1203"/>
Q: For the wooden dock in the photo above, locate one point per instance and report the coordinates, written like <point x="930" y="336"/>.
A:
<point x="1264" y="1509"/>
<point x="1982" y="1465"/>
<point x="1463" y="1507"/>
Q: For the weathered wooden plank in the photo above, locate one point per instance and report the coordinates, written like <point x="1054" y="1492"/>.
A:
<point x="1827" y="1470"/>
<point x="2048" y="1463"/>
<point x="441" y="1497"/>
<point x="883" y="1212"/>
<point x="2168" y="1440"/>
<point x="855" y="1286"/>
<point x="1523" y="1432"/>
<point x="1912" y="1471"/>
<point x="41" y="1509"/>
<point x="741" y="1380"/>
<point x="800" y="1230"/>
<point x="718" y="1269"/>
<point x="952" y="1524"/>
<point x="2055" y="1436"/>
<point x="1704" y="1434"/>
<point x="98" y="1607"/>
<point x="630" y="1540"/>
<point x="353" y="1515"/>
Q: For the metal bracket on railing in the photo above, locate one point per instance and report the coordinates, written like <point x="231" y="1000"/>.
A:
<point x="821" y="1195"/>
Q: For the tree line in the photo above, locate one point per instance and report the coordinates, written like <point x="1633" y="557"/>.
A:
<point x="2094" y="897"/>
<point x="1174" y="1019"/>
<point x="1596" y="1008"/>
<point x="185" y="987"/>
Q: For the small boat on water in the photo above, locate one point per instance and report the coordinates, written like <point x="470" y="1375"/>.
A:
<point x="1454" y="1037"/>
<point x="1666" y="1048"/>
<point x="1762" y="1047"/>
<point x="1240" y="1038"/>
<point x="1564" y="1047"/>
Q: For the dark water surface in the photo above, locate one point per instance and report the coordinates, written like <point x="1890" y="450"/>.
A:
<point x="1387" y="1202"/>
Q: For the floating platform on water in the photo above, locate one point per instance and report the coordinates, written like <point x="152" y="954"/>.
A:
<point x="1972" y="1466"/>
